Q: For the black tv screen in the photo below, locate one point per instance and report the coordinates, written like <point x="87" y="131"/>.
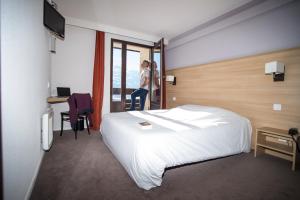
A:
<point x="53" y="20"/>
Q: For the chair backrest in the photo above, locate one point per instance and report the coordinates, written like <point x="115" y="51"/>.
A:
<point x="82" y="102"/>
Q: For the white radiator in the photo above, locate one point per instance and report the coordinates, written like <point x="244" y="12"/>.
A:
<point x="47" y="129"/>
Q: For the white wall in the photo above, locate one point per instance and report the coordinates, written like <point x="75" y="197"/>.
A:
<point x="25" y="74"/>
<point x="72" y="66"/>
<point x="274" y="30"/>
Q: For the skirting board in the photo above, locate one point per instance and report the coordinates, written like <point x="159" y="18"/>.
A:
<point x="32" y="183"/>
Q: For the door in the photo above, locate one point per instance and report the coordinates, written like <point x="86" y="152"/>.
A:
<point x="126" y="59"/>
<point x="158" y="89"/>
<point x="116" y="77"/>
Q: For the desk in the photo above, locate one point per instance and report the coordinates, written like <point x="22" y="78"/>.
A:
<point x="53" y="100"/>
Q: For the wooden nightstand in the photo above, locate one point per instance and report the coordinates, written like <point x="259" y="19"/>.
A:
<point x="276" y="142"/>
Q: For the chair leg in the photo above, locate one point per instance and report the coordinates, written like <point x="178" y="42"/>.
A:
<point x="76" y="134"/>
<point x="62" y="125"/>
<point x="87" y="124"/>
<point x="75" y="130"/>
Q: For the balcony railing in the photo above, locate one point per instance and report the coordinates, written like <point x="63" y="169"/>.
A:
<point x="116" y="97"/>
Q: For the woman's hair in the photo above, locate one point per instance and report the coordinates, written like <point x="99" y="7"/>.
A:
<point x="146" y="61"/>
<point x="154" y="64"/>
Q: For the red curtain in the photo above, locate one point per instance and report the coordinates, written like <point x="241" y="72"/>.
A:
<point x="98" y="80"/>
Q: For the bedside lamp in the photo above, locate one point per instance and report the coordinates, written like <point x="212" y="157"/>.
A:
<point x="171" y="79"/>
<point x="276" y="68"/>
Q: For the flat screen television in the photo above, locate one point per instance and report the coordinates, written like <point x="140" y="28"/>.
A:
<point x="53" y="20"/>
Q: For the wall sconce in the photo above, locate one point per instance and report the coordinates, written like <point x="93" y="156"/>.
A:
<point x="171" y="79"/>
<point x="276" y="68"/>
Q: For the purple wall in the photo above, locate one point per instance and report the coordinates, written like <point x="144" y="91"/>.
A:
<point x="274" y="30"/>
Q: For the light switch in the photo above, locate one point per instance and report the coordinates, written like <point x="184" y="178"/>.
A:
<point x="174" y="98"/>
<point x="277" y="106"/>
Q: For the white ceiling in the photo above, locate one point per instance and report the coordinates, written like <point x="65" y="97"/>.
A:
<point x="162" y="18"/>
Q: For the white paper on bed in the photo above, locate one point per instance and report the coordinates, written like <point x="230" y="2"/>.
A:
<point x="181" y="135"/>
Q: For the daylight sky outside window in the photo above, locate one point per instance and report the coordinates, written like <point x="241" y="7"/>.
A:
<point x="117" y="62"/>
<point x="157" y="60"/>
<point x="133" y="69"/>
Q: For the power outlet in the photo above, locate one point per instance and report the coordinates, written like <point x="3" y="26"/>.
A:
<point x="277" y="107"/>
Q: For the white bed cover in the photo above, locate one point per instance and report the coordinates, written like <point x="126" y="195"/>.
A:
<point x="181" y="135"/>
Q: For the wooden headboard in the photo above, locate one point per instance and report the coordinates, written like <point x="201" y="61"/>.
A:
<point x="241" y="85"/>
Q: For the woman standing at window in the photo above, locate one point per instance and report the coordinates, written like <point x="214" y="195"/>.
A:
<point x="144" y="86"/>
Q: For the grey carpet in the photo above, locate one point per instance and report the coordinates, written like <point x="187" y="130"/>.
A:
<point x="86" y="169"/>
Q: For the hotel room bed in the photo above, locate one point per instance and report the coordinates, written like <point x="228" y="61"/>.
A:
<point x="181" y="135"/>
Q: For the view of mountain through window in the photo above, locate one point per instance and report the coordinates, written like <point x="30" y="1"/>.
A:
<point x="133" y="69"/>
